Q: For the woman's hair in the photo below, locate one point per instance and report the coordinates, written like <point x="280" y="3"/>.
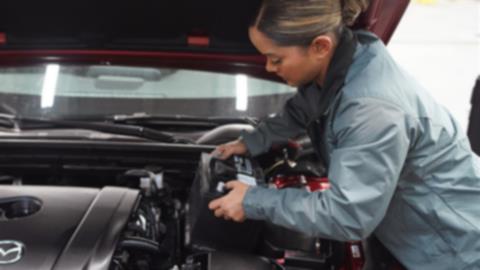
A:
<point x="298" y="22"/>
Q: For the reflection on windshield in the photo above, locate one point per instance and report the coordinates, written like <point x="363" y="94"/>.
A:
<point x="49" y="85"/>
<point x="99" y="90"/>
<point x="242" y="92"/>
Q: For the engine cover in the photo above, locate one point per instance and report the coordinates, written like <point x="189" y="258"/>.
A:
<point x="61" y="227"/>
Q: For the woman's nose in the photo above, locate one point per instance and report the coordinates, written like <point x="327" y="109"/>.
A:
<point x="269" y="67"/>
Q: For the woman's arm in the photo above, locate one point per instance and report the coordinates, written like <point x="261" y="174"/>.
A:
<point x="289" y="123"/>
<point x="371" y="148"/>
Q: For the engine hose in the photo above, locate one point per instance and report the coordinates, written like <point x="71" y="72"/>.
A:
<point x="153" y="222"/>
<point x="143" y="244"/>
<point x="151" y="218"/>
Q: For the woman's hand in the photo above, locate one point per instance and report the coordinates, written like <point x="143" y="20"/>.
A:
<point x="230" y="206"/>
<point x="224" y="151"/>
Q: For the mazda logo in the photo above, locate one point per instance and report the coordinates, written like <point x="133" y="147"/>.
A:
<point x="11" y="251"/>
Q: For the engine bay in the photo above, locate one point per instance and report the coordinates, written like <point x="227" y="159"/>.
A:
<point x="120" y="205"/>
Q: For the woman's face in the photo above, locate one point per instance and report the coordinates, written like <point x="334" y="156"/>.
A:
<point x="295" y="64"/>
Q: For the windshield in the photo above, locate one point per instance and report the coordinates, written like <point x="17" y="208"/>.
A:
<point x="60" y="91"/>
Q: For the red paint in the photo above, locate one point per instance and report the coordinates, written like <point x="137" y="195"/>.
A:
<point x="382" y="17"/>
<point x="96" y="54"/>
<point x="355" y="258"/>
<point x="249" y="64"/>
<point x="312" y="183"/>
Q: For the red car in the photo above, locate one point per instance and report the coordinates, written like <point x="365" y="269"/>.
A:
<point x="107" y="109"/>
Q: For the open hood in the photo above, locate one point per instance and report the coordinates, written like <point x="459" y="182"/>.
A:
<point x="215" y="26"/>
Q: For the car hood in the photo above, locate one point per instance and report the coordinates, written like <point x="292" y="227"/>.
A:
<point x="183" y="25"/>
<point x="201" y="35"/>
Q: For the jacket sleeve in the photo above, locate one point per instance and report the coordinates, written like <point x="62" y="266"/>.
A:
<point x="287" y="124"/>
<point x="366" y="161"/>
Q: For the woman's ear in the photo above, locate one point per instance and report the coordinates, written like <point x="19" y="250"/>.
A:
<point x="322" y="46"/>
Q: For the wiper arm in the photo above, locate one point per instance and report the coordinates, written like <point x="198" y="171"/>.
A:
<point x="146" y="118"/>
<point x="25" y="123"/>
<point x="10" y="121"/>
<point x="165" y="120"/>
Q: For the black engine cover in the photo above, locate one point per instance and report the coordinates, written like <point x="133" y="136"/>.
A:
<point x="62" y="228"/>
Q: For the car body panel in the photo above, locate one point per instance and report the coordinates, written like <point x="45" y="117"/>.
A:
<point x="210" y="36"/>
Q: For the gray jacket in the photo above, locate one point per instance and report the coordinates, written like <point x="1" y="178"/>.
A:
<point x="399" y="165"/>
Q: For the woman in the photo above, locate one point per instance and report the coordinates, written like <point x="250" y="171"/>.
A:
<point x="400" y="167"/>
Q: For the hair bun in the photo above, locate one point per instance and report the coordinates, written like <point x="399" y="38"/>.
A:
<point x="351" y="9"/>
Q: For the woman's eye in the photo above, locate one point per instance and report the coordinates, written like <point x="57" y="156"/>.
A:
<point x="276" y="61"/>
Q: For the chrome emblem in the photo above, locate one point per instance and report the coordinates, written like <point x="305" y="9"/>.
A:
<point x="11" y="251"/>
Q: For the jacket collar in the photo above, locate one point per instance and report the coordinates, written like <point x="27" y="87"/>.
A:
<point x="337" y="72"/>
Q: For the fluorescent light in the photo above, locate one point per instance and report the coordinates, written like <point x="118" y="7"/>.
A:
<point x="49" y="85"/>
<point x="242" y="92"/>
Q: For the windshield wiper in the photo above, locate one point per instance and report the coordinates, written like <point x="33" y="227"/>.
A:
<point x="184" y="120"/>
<point x="30" y="123"/>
